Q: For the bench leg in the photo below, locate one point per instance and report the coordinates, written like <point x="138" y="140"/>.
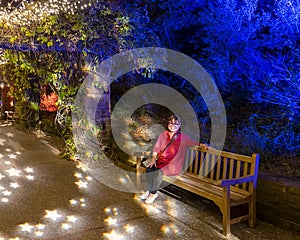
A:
<point x="252" y="211"/>
<point x="138" y="164"/>
<point x="226" y="210"/>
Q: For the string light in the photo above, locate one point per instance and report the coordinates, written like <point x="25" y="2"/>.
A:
<point x="26" y="13"/>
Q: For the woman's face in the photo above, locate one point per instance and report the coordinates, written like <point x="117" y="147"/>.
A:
<point x="173" y="125"/>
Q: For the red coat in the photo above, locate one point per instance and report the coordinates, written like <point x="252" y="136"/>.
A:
<point x="172" y="159"/>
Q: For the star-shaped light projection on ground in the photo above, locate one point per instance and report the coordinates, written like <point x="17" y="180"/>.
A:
<point x="37" y="229"/>
<point x="2" y="141"/>
<point x="26" y="227"/>
<point x="128" y="228"/>
<point x="89" y="178"/>
<point x="11" y="177"/>
<point x="80" y="202"/>
<point x="73" y="202"/>
<point x="122" y="180"/>
<point x="15" y="238"/>
<point x="30" y="177"/>
<point x="81" y="184"/>
<point x="28" y="170"/>
<point x="6" y="193"/>
<point x="72" y="218"/>
<point x="12" y="156"/>
<point x="78" y="175"/>
<point x="14" y="185"/>
<point x="113" y="235"/>
<point x="111" y="221"/>
<point x="13" y="172"/>
<point x="11" y="185"/>
<point x="10" y="134"/>
<point x="65" y="226"/>
<point x="39" y="233"/>
<point x="40" y="226"/>
<point x="53" y="215"/>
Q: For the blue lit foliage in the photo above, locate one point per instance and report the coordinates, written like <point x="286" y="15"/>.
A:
<point x="255" y="51"/>
<point x="251" y="48"/>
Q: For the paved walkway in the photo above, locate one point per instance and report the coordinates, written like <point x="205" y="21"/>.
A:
<point x="45" y="197"/>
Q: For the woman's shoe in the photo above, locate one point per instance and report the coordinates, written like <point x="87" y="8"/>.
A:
<point x="145" y="195"/>
<point x="150" y="199"/>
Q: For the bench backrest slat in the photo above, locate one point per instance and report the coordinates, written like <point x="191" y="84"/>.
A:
<point x="197" y="163"/>
<point x="218" y="168"/>
<point x="213" y="162"/>
<point x="238" y="171"/>
<point x="231" y="170"/>
<point x="224" y="173"/>
<point x="244" y="186"/>
<point x="206" y="165"/>
<point x="190" y="159"/>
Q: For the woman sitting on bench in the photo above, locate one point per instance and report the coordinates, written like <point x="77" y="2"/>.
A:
<point x="167" y="157"/>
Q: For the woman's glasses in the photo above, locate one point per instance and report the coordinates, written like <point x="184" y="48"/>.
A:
<point x="173" y="124"/>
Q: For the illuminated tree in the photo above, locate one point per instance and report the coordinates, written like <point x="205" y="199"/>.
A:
<point x="47" y="43"/>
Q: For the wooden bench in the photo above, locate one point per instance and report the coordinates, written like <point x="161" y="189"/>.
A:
<point x="225" y="178"/>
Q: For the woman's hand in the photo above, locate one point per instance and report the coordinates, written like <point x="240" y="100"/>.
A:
<point x="204" y="145"/>
<point x="152" y="162"/>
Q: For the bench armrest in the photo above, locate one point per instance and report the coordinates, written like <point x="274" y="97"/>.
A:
<point x="227" y="182"/>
